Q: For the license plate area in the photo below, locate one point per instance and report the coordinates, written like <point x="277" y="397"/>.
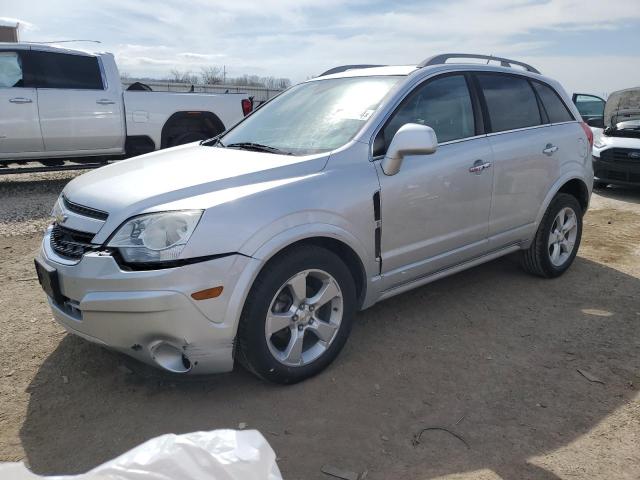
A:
<point x="48" y="278"/>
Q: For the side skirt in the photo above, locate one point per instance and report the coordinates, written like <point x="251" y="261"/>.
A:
<point x="448" y="271"/>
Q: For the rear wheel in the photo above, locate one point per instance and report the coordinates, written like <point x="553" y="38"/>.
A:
<point x="557" y="240"/>
<point x="187" y="137"/>
<point x="298" y="315"/>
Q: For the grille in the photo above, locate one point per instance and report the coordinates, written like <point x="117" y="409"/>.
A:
<point x="84" y="211"/>
<point x="71" y="243"/>
<point x="620" y="155"/>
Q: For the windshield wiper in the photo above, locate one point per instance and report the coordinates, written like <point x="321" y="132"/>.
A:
<point x="212" y="142"/>
<point x="258" y="147"/>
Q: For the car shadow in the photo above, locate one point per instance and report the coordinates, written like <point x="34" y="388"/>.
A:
<point x="490" y="355"/>
<point x="618" y="192"/>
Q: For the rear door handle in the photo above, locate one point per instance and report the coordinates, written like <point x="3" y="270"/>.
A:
<point x="105" y="101"/>
<point x="550" y="149"/>
<point x="20" y="100"/>
<point x="479" y="166"/>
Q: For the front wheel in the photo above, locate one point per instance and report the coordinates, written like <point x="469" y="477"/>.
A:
<point x="298" y="315"/>
<point x="557" y="240"/>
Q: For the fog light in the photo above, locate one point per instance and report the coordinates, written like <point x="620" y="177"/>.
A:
<point x="208" y="293"/>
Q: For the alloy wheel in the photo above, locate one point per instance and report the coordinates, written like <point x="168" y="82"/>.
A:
<point x="562" y="237"/>
<point x="304" y="317"/>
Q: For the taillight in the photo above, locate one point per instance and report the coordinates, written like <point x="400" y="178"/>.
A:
<point x="247" y="106"/>
<point x="589" y="133"/>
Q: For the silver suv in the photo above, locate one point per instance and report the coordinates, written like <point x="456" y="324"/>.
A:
<point x="261" y="244"/>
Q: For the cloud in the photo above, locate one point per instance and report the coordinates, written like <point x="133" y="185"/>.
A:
<point x="300" y="38"/>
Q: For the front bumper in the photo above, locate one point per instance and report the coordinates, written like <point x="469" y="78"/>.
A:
<point x="134" y="311"/>
<point x="616" y="172"/>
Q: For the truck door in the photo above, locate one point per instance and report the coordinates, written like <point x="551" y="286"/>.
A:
<point x="78" y="110"/>
<point x="19" y="126"/>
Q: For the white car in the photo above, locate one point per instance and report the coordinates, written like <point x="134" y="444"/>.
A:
<point x="343" y="191"/>
<point x="59" y="104"/>
<point x="616" y="147"/>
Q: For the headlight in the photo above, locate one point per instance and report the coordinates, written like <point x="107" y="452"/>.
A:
<point x="156" y="237"/>
<point x="56" y="212"/>
<point x="599" y="141"/>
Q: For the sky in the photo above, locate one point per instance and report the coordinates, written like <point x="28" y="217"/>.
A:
<point x="588" y="45"/>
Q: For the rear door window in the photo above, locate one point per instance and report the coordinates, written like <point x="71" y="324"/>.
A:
<point x="10" y="70"/>
<point x="64" y="71"/>
<point x="511" y="102"/>
<point x="443" y="104"/>
<point x="553" y="105"/>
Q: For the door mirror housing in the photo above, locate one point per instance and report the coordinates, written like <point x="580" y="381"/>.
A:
<point x="410" y="139"/>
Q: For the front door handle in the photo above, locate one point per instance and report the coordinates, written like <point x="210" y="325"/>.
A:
<point x="479" y="166"/>
<point x="20" y="100"/>
<point x="105" y="101"/>
<point x="550" y="149"/>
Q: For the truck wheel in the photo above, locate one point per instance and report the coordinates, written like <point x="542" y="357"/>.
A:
<point x="187" y="137"/>
<point x="297" y="316"/>
<point x="557" y="240"/>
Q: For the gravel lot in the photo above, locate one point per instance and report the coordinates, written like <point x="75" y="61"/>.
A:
<point x="490" y="354"/>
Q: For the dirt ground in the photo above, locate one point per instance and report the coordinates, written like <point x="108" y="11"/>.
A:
<point x="490" y="354"/>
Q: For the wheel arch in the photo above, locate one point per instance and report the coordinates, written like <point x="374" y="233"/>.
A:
<point x="208" y="120"/>
<point x="331" y="237"/>
<point x="571" y="184"/>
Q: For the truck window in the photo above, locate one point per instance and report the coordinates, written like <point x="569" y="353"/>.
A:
<point x="510" y="101"/>
<point x="65" y="71"/>
<point x="10" y="70"/>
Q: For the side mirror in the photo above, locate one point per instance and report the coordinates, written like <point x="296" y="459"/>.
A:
<point x="597" y="122"/>
<point x="410" y="139"/>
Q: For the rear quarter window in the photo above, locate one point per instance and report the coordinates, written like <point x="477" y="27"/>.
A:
<point x="511" y="102"/>
<point x="552" y="103"/>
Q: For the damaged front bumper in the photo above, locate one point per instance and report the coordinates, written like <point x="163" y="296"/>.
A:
<point x="150" y="315"/>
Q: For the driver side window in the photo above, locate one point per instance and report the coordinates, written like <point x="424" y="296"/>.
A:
<point x="443" y="104"/>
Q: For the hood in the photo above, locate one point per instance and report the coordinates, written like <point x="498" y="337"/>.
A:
<point x="179" y="173"/>
<point x="622" y="106"/>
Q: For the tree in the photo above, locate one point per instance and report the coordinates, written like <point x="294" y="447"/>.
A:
<point x="178" y="76"/>
<point x="211" y="75"/>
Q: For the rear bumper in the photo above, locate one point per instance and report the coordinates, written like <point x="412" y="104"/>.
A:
<point x="134" y="311"/>
<point x="616" y="172"/>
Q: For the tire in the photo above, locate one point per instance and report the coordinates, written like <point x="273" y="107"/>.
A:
<point x="598" y="185"/>
<point x="539" y="258"/>
<point x="187" y="137"/>
<point x="266" y="340"/>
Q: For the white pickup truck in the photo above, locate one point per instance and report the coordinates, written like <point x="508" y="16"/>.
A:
<point x="58" y="104"/>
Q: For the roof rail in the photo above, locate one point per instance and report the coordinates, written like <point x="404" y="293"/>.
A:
<point x="504" y="62"/>
<point x="344" y="68"/>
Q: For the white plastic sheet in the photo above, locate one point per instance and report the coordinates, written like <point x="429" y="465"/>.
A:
<point x="215" y="455"/>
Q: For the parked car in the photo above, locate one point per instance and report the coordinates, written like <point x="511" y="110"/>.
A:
<point x="343" y="191"/>
<point x="59" y="104"/>
<point x="616" y="149"/>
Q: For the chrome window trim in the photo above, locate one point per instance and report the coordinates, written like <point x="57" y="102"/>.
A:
<point x="443" y="144"/>
<point x="516" y="130"/>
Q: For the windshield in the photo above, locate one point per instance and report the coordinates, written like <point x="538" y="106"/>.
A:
<point x="312" y="117"/>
